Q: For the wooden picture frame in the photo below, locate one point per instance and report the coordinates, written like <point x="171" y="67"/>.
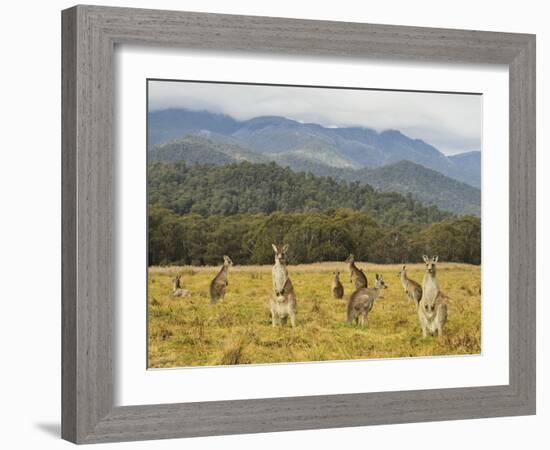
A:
<point x="90" y="34"/>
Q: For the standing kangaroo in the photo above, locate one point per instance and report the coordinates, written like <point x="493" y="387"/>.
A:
<point x="362" y="300"/>
<point x="412" y="288"/>
<point x="177" y="291"/>
<point x="220" y="281"/>
<point x="432" y="313"/>
<point x="356" y="274"/>
<point x="283" y="301"/>
<point x="337" y="287"/>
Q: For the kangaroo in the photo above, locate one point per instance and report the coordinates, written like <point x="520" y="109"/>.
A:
<point x="337" y="287"/>
<point x="362" y="300"/>
<point x="412" y="288"/>
<point x="356" y="274"/>
<point x="220" y="282"/>
<point x="283" y="301"/>
<point x="432" y="312"/>
<point x="177" y="291"/>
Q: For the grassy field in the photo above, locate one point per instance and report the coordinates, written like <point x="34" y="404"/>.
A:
<point x="191" y="332"/>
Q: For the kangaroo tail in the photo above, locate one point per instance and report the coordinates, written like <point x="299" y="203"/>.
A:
<point x="350" y="315"/>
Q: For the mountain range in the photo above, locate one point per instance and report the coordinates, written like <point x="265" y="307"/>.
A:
<point x="387" y="160"/>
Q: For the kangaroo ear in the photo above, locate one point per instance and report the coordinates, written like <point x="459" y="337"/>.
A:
<point x="426" y="259"/>
<point x="435" y="258"/>
<point x="285" y="248"/>
<point x="274" y="247"/>
<point x="377" y="276"/>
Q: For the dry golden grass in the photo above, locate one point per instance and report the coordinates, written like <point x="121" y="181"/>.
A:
<point x="191" y="332"/>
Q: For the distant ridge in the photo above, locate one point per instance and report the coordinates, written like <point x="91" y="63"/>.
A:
<point x="470" y="164"/>
<point x="347" y="147"/>
<point x="427" y="185"/>
<point x="404" y="177"/>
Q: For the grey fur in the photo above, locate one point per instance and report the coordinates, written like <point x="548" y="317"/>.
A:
<point x="432" y="312"/>
<point x="362" y="300"/>
<point x="337" y="286"/>
<point x="411" y="287"/>
<point x="357" y="276"/>
<point x="177" y="290"/>
<point x="283" y="300"/>
<point x="220" y="281"/>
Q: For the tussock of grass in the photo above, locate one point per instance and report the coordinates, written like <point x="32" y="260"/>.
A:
<point x="191" y="332"/>
<point x="233" y="351"/>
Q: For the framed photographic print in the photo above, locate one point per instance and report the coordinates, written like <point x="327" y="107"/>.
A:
<point x="277" y="224"/>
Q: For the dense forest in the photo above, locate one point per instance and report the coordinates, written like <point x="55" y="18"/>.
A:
<point x="248" y="188"/>
<point x="427" y="186"/>
<point x="197" y="214"/>
<point x="313" y="236"/>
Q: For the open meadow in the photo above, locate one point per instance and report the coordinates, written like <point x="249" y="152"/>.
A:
<point x="189" y="331"/>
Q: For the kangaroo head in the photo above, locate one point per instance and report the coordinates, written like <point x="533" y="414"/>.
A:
<point x="350" y="259"/>
<point x="280" y="252"/>
<point x="379" y="284"/>
<point x="176" y="282"/>
<point x="336" y="275"/>
<point x="430" y="264"/>
<point x="227" y="261"/>
<point x="403" y="271"/>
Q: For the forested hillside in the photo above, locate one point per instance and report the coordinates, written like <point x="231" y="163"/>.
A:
<point x="198" y="213"/>
<point x="427" y="186"/>
<point x="247" y="188"/>
<point x="201" y="148"/>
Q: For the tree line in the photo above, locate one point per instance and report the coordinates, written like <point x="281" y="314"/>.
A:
<point x="313" y="236"/>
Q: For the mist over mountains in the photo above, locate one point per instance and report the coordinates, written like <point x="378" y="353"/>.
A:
<point x="387" y="160"/>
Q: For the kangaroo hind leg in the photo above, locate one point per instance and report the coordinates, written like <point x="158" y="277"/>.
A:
<point x="275" y="320"/>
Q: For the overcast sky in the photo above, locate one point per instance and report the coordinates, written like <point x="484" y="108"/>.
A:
<point x="449" y="122"/>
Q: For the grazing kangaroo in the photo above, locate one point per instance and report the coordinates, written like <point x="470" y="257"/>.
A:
<point x="412" y="288"/>
<point x="356" y="274"/>
<point x="177" y="290"/>
<point x="362" y="300"/>
<point x="220" y="281"/>
<point x="337" y="286"/>
<point x="432" y="312"/>
<point x="283" y="301"/>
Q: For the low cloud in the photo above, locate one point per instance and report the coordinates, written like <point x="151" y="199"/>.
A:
<point x="450" y="122"/>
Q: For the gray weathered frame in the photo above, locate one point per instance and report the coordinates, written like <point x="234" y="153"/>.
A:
<point x="89" y="36"/>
